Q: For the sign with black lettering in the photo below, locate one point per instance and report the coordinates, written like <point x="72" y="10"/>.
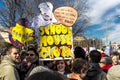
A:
<point x="66" y="15"/>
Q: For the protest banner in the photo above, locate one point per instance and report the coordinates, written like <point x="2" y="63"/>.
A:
<point x="56" y="42"/>
<point x="22" y="34"/>
<point x="66" y="15"/>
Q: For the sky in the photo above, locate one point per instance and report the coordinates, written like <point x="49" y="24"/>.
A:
<point x="104" y="20"/>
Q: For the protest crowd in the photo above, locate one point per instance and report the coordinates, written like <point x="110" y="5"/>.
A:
<point x="53" y="56"/>
<point x="26" y="65"/>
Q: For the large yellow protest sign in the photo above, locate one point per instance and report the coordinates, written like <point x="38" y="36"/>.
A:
<point x="22" y="34"/>
<point x="55" y="41"/>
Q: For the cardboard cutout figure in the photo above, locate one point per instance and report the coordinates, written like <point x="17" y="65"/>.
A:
<point x="45" y="17"/>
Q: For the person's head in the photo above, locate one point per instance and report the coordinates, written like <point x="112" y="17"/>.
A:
<point x="61" y="66"/>
<point x="46" y="75"/>
<point x="23" y="21"/>
<point x="22" y="55"/>
<point x="115" y="58"/>
<point x="79" y="52"/>
<point x="80" y="66"/>
<point x="104" y="61"/>
<point x="49" y="64"/>
<point x="32" y="55"/>
<point x="13" y="53"/>
<point x="38" y="69"/>
<point x="94" y="56"/>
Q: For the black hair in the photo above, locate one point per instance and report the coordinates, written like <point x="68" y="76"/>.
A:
<point x="95" y="56"/>
<point x="115" y="53"/>
<point x="79" y="64"/>
<point x="36" y="53"/>
<point x="34" y="50"/>
<point x="22" y="21"/>
<point x="79" y="52"/>
<point x="22" y="55"/>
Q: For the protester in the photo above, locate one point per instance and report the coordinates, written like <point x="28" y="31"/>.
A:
<point x="62" y="67"/>
<point x="23" y="54"/>
<point x="22" y="66"/>
<point x="79" y="69"/>
<point x="46" y="75"/>
<point x="39" y="69"/>
<point x="49" y="64"/>
<point x="8" y="69"/>
<point x="108" y="50"/>
<point x="115" y="58"/>
<point x="29" y="60"/>
<point x="105" y="63"/>
<point x="114" y="73"/>
<point x="118" y="50"/>
<point x="32" y="59"/>
<point x="79" y="52"/>
<point x="95" y="73"/>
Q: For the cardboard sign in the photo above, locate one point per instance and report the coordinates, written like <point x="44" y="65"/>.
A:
<point x="56" y="42"/>
<point x="66" y="15"/>
<point x="22" y="34"/>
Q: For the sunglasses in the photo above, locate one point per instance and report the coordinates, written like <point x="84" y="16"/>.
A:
<point x="29" y="54"/>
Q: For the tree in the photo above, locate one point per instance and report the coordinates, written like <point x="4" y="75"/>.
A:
<point x="15" y="9"/>
<point x="82" y="8"/>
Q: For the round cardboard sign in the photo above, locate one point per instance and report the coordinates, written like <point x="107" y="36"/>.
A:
<point x="66" y="15"/>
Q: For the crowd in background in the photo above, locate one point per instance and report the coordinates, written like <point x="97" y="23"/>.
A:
<point x="26" y="65"/>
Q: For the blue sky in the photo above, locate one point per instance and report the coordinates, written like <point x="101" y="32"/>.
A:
<point x="102" y="14"/>
<point x="1" y="4"/>
<point x="104" y="19"/>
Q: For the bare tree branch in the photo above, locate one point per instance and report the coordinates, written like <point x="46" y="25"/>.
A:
<point x="15" y="9"/>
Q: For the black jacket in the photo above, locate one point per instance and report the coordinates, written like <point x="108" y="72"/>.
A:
<point x="95" y="73"/>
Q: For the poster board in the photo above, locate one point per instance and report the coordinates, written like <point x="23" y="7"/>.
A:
<point x="56" y="42"/>
<point x="66" y="15"/>
<point x="22" y="34"/>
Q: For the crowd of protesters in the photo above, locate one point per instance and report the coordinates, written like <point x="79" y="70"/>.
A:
<point x="25" y="65"/>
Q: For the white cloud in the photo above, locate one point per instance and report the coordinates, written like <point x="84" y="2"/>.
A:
<point x="98" y="16"/>
<point x="114" y="35"/>
<point x="106" y="25"/>
<point x="99" y="7"/>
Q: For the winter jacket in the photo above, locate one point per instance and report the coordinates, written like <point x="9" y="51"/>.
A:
<point x="95" y="73"/>
<point x="8" y="70"/>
